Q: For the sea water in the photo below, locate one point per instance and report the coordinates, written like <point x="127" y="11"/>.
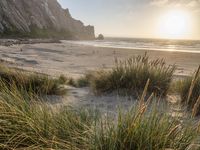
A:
<point x="191" y="46"/>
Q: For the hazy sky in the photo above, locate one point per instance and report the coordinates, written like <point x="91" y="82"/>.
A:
<point x="139" y="18"/>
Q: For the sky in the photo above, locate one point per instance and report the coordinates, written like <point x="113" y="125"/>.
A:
<point x="139" y="18"/>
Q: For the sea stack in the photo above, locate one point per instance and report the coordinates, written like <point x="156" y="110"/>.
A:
<point x="100" y="37"/>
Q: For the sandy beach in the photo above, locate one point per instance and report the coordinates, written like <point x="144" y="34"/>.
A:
<point x="75" y="60"/>
<point x="100" y="75"/>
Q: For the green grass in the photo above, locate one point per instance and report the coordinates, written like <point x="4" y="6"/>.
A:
<point x="139" y="130"/>
<point x="63" y="79"/>
<point x="31" y="82"/>
<point x="130" y="76"/>
<point x="26" y="124"/>
<point x="79" y="83"/>
<point x="84" y="81"/>
<point x="29" y="124"/>
<point x="190" y="92"/>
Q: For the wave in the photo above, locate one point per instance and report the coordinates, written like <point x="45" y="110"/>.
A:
<point x="145" y="44"/>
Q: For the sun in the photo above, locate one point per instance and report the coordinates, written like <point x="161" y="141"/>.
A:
<point x="174" y="24"/>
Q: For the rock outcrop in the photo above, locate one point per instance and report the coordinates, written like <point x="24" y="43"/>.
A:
<point x="100" y="37"/>
<point x="40" y="18"/>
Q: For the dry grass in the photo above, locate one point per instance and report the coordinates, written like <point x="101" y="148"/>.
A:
<point x="130" y="77"/>
<point x="190" y="92"/>
<point x="31" y="82"/>
<point x="26" y="124"/>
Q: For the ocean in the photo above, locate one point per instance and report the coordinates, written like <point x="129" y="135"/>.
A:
<point x="191" y="46"/>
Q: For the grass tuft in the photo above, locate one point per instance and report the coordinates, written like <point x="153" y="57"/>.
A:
<point x="26" y="124"/>
<point x="140" y="130"/>
<point x="79" y="83"/>
<point x="62" y="79"/>
<point x="83" y="81"/>
<point x="29" y="124"/>
<point x="31" y="82"/>
<point x="130" y="76"/>
<point x="190" y="92"/>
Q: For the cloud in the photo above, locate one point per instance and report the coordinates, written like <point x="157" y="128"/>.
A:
<point x="159" y="2"/>
<point x="193" y="4"/>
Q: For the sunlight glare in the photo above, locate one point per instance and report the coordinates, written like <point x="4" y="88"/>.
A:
<point x="174" y="24"/>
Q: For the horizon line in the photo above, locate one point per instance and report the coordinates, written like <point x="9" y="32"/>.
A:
<point x="133" y="37"/>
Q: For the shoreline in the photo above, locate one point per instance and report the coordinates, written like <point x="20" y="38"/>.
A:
<point x="17" y="41"/>
<point x="75" y="60"/>
<point x="119" y="46"/>
<point x="145" y="49"/>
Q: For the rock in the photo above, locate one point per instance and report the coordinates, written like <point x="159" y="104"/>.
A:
<point x="40" y="18"/>
<point x="100" y="37"/>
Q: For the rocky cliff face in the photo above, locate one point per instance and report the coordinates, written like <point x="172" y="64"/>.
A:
<point x="40" y="18"/>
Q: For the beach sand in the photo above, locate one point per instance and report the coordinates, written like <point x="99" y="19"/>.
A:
<point x="75" y="60"/>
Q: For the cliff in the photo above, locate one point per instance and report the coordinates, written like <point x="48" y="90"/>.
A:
<point x="40" y="19"/>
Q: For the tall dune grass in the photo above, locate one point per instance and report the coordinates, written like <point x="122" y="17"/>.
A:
<point x="144" y="128"/>
<point x="26" y="124"/>
<point x="190" y="92"/>
<point x="130" y="76"/>
<point x="33" y="82"/>
<point x="139" y="130"/>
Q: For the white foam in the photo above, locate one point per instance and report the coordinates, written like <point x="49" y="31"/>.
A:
<point x="142" y="45"/>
